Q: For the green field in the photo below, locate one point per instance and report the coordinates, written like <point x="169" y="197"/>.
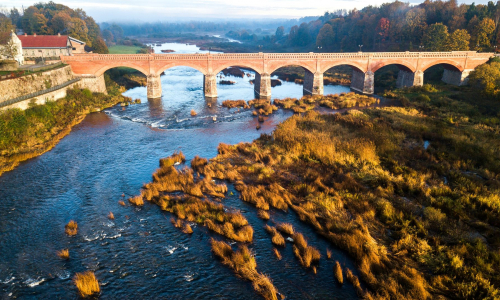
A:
<point x="121" y="49"/>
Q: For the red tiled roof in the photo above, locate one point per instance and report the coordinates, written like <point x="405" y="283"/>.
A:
<point x="44" y="41"/>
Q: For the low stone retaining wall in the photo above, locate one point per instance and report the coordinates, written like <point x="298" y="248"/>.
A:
<point x="94" y="84"/>
<point x="25" y="85"/>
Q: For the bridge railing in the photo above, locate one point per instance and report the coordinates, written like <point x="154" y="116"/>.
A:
<point x="299" y="56"/>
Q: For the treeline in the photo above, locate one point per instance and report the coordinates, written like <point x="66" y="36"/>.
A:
<point x="51" y="18"/>
<point x="172" y="29"/>
<point x="396" y="26"/>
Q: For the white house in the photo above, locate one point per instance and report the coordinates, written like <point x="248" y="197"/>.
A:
<point x="19" y="49"/>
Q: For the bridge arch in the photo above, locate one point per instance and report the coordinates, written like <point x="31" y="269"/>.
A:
<point x="311" y="67"/>
<point x="353" y="65"/>
<point x="170" y="65"/>
<point x="401" y="64"/>
<point x="449" y="64"/>
<point x="256" y="67"/>
<point x="106" y="67"/>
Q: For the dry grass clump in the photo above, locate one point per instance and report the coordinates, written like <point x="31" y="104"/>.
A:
<point x="306" y="254"/>
<point x="63" y="254"/>
<point x="137" y="200"/>
<point x="285" y="228"/>
<point x="264" y="215"/>
<point x="263" y="197"/>
<point x="121" y="202"/>
<point x="328" y="253"/>
<point x="187" y="229"/>
<point x="337" y="271"/>
<point x="179" y="192"/>
<point x="277" y="253"/>
<point x="71" y="228"/>
<point x="198" y="163"/>
<point x="193" y="113"/>
<point x="242" y="262"/>
<point x="111" y="216"/>
<point x="355" y="282"/>
<point x="277" y="239"/>
<point x="86" y="283"/>
<point x="264" y="106"/>
<point x="235" y="103"/>
<point x="172" y="160"/>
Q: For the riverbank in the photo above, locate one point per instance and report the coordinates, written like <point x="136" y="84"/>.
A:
<point x="410" y="193"/>
<point x="36" y="130"/>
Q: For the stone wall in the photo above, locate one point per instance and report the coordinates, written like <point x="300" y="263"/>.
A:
<point x="17" y="87"/>
<point x="57" y="94"/>
<point x="95" y="84"/>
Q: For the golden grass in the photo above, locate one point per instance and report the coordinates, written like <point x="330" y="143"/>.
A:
<point x="264" y="215"/>
<point x="190" y="199"/>
<point x="137" y="200"/>
<point x="193" y="113"/>
<point x="121" y="202"/>
<point x="306" y="254"/>
<point x="235" y="103"/>
<point x="337" y="272"/>
<point x="71" y="228"/>
<point x="187" y="229"/>
<point x="355" y="282"/>
<point x="285" y="228"/>
<point x="111" y="216"/>
<point x="277" y="253"/>
<point x="243" y="263"/>
<point x="354" y="175"/>
<point x="198" y="163"/>
<point x="328" y="253"/>
<point x="86" y="283"/>
<point x="63" y="254"/>
<point x="277" y="239"/>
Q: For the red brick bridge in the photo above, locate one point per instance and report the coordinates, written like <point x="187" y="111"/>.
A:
<point x="458" y="65"/>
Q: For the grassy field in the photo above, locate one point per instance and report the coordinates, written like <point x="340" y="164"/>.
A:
<point x="121" y="49"/>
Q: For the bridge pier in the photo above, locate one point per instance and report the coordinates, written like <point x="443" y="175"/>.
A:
<point x="210" y="85"/>
<point x="455" y="77"/>
<point x="313" y="83"/>
<point x="154" y="86"/>
<point x="362" y="82"/>
<point x="409" y="79"/>
<point x="262" y="85"/>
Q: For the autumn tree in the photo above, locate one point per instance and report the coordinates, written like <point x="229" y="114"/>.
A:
<point x="436" y="37"/>
<point x="486" y="78"/>
<point x="459" y="40"/>
<point x="483" y="33"/>
<point x="325" y="37"/>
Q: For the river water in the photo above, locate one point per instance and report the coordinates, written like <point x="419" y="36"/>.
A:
<point x="140" y="255"/>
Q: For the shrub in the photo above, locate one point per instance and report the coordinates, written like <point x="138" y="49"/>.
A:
<point x="111" y="216"/>
<point x="423" y="98"/>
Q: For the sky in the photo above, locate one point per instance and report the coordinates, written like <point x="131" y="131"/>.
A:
<point x="186" y="10"/>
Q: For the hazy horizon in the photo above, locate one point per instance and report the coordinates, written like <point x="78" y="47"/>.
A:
<point x="206" y="10"/>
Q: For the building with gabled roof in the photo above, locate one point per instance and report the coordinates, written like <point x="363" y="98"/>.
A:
<point x="45" y="45"/>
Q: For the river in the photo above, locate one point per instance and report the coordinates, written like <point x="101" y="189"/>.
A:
<point x="140" y="254"/>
